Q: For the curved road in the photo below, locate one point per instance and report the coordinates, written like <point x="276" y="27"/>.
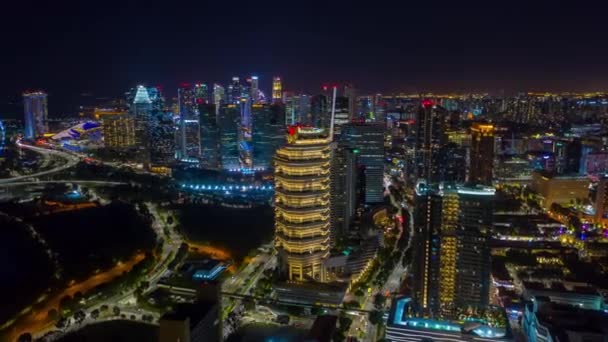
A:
<point x="71" y="161"/>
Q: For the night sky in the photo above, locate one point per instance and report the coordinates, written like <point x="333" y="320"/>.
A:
<point x="104" y="47"/>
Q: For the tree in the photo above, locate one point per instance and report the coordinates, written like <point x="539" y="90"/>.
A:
<point x="338" y="336"/>
<point x="25" y="337"/>
<point x="345" y="322"/>
<point x="95" y="314"/>
<point x="77" y="296"/>
<point x="61" y="323"/>
<point x="79" y="316"/>
<point x="52" y="314"/>
<point x="103" y="308"/>
<point x="249" y="304"/>
<point x="375" y="317"/>
<point x="359" y="293"/>
<point x="116" y="310"/>
<point x="65" y="301"/>
<point x="379" y="301"/>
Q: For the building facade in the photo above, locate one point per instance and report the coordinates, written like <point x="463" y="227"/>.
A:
<point x="35" y="110"/>
<point x="482" y="154"/>
<point x="302" y="186"/>
<point x="368" y="140"/>
<point x="189" y="125"/>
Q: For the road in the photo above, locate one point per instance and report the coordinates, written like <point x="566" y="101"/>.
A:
<point x="243" y="281"/>
<point x="172" y="243"/>
<point x="70" y="161"/>
<point x="361" y="327"/>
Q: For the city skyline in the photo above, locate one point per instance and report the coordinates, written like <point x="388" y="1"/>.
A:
<point x="301" y="171"/>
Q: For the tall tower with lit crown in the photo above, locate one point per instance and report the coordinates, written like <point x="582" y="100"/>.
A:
<point x="302" y="186"/>
<point x="482" y="153"/>
<point x="277" y="89"/>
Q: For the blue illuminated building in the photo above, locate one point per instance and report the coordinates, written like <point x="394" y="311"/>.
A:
<point x="209" y="270"/>
<point x="484" y="324"/>
<point x="35" y="114"/>
<point x="2" y="138"/>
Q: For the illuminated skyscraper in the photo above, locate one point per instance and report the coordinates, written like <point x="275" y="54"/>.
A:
<point x="118" y="128"/>
<point x="482" y="153"/>
<point x="235" y="91"/>
<point x="245" y="132"/>
<point x="342" y="116"/>
<point x="255" y="89"/>
<point x="429" y="135"/>
<point x="601" y="200"/>
<point x="210" y="136"/>
<point x="368" y="140"/>
<point x="277" y="89"/>
<point x="320" y="111"/>
<point x="268" y="134"/>
<point x="229" y="123"/>
<point x="452" y="252"/>
<point x="189" y="124"/>
<point x="302" y="185"/>
<point x="35" y="110"/>
<point x="219" y="95"/>
<point x="344" y="173"/>
<point x="201" y="93"/>
<point x="141" y="111"/>
<point x="351" y="94"/>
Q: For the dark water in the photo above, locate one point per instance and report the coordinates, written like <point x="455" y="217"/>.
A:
<point x="81" y="242"/>
<point x="94" y="238"/>
<point x="238" y="230"/>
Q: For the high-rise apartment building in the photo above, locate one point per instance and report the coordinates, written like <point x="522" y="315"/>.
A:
<point x="368" y="140"/>
<point x="452" y="252"/>
<point x="429" y="136"/>
<point x="344" y="194"/>
<point x="277" y="90"/>
<point x="35" y="110"/>
<point x="482" y="153"/>
<point x="302" y="186"/>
